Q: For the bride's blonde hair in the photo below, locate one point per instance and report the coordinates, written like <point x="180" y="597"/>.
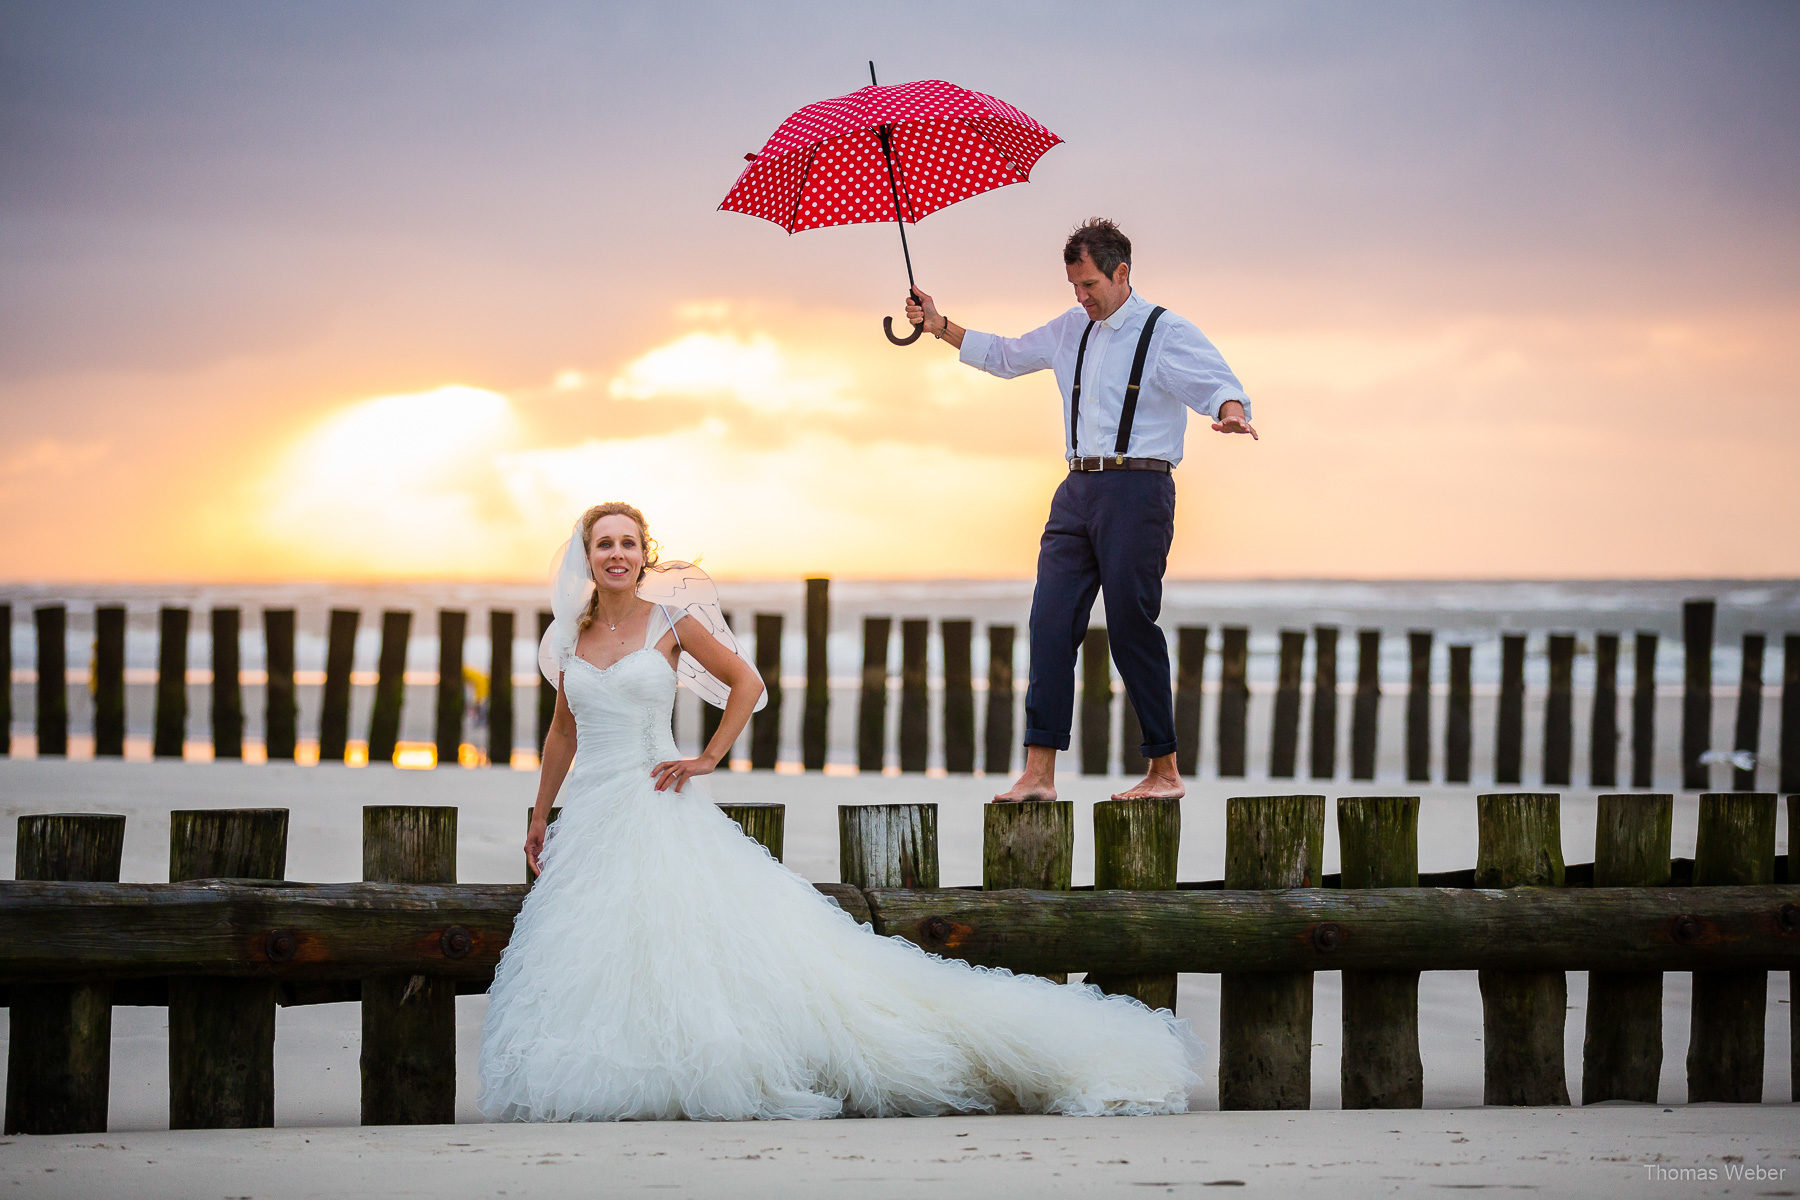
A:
<point x="613" y="508"/>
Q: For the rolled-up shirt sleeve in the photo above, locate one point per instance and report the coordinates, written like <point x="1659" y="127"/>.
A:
<point x="1011" y="357"/>
<point x="1190" y="367"/>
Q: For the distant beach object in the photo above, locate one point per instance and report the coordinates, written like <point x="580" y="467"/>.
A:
<point x="893" y="153"/>
<point x="1742" y="760"/>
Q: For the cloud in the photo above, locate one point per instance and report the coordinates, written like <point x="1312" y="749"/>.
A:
<point x="753" y="371"/>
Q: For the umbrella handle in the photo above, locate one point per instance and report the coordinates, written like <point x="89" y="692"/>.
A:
<point x="887" y="325"/>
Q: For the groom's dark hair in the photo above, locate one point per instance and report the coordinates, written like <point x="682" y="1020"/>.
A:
<point x="1099" y="240"/>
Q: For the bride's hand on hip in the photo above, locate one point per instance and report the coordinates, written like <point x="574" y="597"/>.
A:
<point x="678" y="771"/>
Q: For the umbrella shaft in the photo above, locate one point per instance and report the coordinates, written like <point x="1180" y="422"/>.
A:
<point x="894" y="190"/>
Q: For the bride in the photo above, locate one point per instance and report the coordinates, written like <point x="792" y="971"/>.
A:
<point x="665" y="966"/>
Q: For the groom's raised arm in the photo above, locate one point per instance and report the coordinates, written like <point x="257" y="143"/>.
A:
<point x="1005" y="357"/>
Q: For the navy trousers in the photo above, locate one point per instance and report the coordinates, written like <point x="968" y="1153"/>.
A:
<point x="1109" y="531"/>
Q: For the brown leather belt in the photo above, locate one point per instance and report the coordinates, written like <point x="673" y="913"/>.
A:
<point x="1113" y="462"/>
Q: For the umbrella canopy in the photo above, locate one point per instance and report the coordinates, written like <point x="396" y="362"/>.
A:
<point x="828" y="165"/>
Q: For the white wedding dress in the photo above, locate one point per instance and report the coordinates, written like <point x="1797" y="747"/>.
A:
<point x="665" y="966"/>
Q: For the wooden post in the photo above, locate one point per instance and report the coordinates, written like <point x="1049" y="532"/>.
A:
<point x="1234" y="698"/>
<point x="1643" y="711"/>
<point x="222" y="1030"/>
<point x="390" y="686"/>
<point x="1135" y="846"/>
<point x="109" y="681"/>
<point x="1364" y="722"/>
<point x="1790" y="733"/>
<point x="762" y="822"/>
<point x="997" y="730"/>
<point x="1029" y="844"/>
<point x="409" y="1021"/>
<point x="281" y="707"/>
<point x="453" y="628"/>
<point x="1265" y="1017"/>
<point x="1749" y="712"/>
<point x="765" y="726"/>
<point x="1379" y="840"/>
<point x="1324" y="704"/>
<point x="1190" y="675"/>
<point x="59" y="1051"/>
<point x="1284" y="741"/>
<point x="1131" y="737"/>
<point x="1735" y="846"/>
<point x="1418" y="706"/>
<point x="1621" y="1058"/>
<point x="52" y="681"/>
<point x="227" y="690"/>
<point x="871" y="705"/>
<point x="1096" y="703"/>
<point x="915" y="702"/>
<point x="1509" y="725"/>
<point x="334" y="704"/>
<point x="959" y="697"/>
<point x="546" y="691"/>
<point x="1459" y="735"/>
<point x="1522" y="1011"/>
<point x="1793" y="803"/>
<point x="6" y="681"/>
<point x="888" y="845"/>
<point x="1696" y="697"/>
<point x="816" y="713"/>
<point x="171" y="683"/>
<point x="1603" y="734"/>
<point x="1559" y="712"/>
<point x="500" y="687"/>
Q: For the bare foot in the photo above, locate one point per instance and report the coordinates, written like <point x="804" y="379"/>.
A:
<point x="1154" y="786"/>
<point x="1027" y="788"/>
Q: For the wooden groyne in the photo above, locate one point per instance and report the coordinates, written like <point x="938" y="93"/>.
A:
<point x="228" y="940"/>
<point x="1430" y="753"/>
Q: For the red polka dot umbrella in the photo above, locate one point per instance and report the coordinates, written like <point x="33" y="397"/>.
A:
<point x="892" y="153"/>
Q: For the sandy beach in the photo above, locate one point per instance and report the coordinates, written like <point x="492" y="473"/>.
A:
<point x="1454" y="1142"/>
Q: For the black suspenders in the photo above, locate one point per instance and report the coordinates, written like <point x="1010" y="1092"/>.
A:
<point x="1123" y="441"/>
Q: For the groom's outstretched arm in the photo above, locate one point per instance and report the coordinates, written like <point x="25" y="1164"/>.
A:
<point x="1005" y="357"/>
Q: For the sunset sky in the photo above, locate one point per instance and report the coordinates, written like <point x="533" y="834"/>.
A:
<point x="394" y="290"/>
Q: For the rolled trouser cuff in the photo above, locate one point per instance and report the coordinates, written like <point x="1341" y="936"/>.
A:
<point x="1040" y="737"/>
<point x="1158" y="750"/>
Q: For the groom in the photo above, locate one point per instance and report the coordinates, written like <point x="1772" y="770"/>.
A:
<point x="1128" y="371"/>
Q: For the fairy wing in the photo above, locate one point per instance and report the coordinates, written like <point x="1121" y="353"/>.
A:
<point x="686" y="589"/>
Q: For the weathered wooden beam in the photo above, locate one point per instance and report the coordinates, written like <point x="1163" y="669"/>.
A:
<point x="390" y="687"/>
<point x="6" y="674"/>
<point x="334" y="701"/>
<point x="1735" y="845"/>
<point x="871" y="705"/>
<point x="765" y="726"/>
<point x="453" y="630"/>
<point x="915" y="695"/>
<point x="1418" y="706"/>
<point x="1234" y="699"/>
<point x="816" y="708"/>
<point x="52" y="622"/>
<point x="1749" y="712"/>
<point x="763" y="822"/>
<point x="959" y="696"/>
<point x="1095" y="714"/>
<point x="222" y="1028"/>
<point x="500" y="687"/>
<point x="227" y="690"/>
<point x="1365" y="708"/>
<point x="997" y="729"/>
<point x="1697" y="624"/>
<point x="1509" y="721"/>
<point x="409" y="1018"/>
<point x="1190" y="673"/>
<point x="1603" y="729"/>
<point x="1522" y="1012"/>
<point x="888" y="845"/>
<point x="170" y="729"/>
<point x="109" y="681"/>
<point x="281" y="706"/>
<point x="1284" y="736"/>
<point x="93" y="931"/>
<point x="1379" y="841"/>
<point x="1135" y="847"/>
<point x="59" y="1048"/>
<point x="1621" y="1054"/>
<point x="1265" y="1018"/>
<point x="1458" y="717"/>
<point x="1323" y="761"/>
<point x="1559" y="712"/>
<point x="1028" y="844"/>
<point x="1643" y="711"/>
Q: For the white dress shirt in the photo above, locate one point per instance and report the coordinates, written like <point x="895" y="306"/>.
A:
<point x="1183" y="371"/>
